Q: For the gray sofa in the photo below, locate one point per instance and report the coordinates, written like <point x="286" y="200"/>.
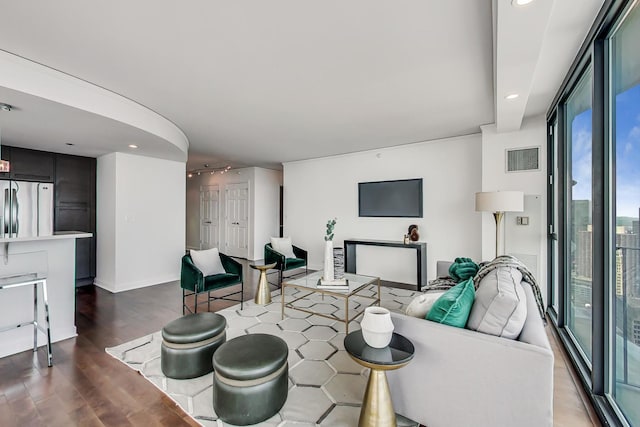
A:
<point x="462" y="378"/>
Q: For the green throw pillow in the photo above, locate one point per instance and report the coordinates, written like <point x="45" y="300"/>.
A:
<point x="454" y="306"/>
<point x="462" y="269"/>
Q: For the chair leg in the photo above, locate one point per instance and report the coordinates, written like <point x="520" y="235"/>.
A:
<point x="183" y="302"/>
<point x="195" y="308"/>
<point x="241" y="294"/>
<point x="209" y="301"/>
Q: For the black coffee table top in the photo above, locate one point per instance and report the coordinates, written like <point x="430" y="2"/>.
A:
<point x="399" y="351"/>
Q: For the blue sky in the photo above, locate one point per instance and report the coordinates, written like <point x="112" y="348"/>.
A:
<point x="628" y="152"/>
<point x="627" y="125"/>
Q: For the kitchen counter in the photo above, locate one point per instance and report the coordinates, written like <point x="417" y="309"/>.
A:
<point x="55" y="257"/>
<point x="56" y="235"/>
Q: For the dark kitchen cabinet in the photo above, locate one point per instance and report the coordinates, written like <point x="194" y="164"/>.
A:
<point x="29" y="165"/>
<point x="75" y="208"/>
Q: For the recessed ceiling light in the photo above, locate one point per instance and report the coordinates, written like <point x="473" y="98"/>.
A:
<point x="70" y="144"/>
<point x="521" y="2"/>
<point x="511" y="96"/>
<point x="5" y="107"/>
<point x="134" y="146"/>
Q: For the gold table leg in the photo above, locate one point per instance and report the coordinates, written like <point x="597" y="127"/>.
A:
<point x="263" y="293"/>
<point x="377" y="407"/>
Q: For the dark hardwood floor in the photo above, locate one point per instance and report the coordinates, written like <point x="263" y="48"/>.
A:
<point x="87" y="387"/>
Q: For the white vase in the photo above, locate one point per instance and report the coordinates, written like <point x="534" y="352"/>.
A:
<point x="328" y="260"/>
<point x="377" y="327"/>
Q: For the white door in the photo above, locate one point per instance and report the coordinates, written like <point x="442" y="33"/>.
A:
<point x="237" y="219"/>
<point x="209" y="216"/>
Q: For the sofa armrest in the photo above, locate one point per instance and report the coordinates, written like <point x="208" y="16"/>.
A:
<point x="231" y="265"/>
<point x="191" y="278"/>
<point x="300" y="253"/>
<point x="271" y="256"/>
<point x="495" y="381"/>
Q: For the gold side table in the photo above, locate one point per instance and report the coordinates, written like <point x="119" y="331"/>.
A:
<point x="263" y="293"/>
<point x="377" y="406"/>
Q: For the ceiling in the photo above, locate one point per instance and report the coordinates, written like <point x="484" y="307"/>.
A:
<point x="260" y="83"/>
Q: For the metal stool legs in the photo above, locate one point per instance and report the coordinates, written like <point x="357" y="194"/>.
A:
<point x="18" y="281"/>
<point x="36" y="326"/>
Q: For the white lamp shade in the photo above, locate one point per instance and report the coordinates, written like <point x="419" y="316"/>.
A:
<point x="500" y="201"/>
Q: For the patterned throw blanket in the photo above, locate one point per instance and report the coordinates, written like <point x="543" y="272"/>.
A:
<point x="446" y="283"/>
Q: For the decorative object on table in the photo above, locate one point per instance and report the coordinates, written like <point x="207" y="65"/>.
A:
<point x="338" y="263"/>
<point x="462" y="269"/>
<point x="413" y="233"/>
<point x="499" y="202"/>
<point x="328" y="250"/>
<point x="405" y="239"/>
<point x="335" y="284"/>
<point x="377" y="327"/>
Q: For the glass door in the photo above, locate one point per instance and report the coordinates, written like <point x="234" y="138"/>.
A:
<point x="579" y="226"/>
<point x="625" y="295"/>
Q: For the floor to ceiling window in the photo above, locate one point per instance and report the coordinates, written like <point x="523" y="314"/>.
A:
<point x="578" y="202"/>
<point x="555" y="220"/>
<point x="625" y="107"/>
<point x="594" y="125"/>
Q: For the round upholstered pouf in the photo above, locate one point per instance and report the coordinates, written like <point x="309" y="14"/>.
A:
<point x="188" y="344"/>
<point x="250" y="378"/>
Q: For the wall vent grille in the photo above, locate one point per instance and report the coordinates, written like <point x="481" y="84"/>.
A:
<point x="524" y="159"/>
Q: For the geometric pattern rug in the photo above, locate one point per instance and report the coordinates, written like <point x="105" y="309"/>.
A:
<point x="325" y="385"/>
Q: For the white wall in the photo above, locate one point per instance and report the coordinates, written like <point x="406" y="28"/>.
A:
<point x="106" y="220"/>
<point x="533" y="183"/>
<point x="319" y="189"/>
<point x="143" y="218"/>
<point x="266" y="208"/>
<point x="264" y="187"/>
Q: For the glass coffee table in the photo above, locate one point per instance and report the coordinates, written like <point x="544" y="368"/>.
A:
<point x="308" y="285"/>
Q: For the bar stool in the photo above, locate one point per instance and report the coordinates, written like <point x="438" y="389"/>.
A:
<point x="34" y="279"/>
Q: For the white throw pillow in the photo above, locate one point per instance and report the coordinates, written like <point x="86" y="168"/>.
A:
<point x="500" y="307"/>
<point x="208" y="261"/>
<point x="283" y="245"/>
<point x="421" y="304"/>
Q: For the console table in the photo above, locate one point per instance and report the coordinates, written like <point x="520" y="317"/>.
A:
<point x="419" y="247"/>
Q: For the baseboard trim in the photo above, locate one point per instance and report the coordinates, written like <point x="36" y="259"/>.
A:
<point x="123" y="287"/>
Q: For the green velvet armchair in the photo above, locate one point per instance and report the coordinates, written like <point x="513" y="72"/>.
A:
<point x="193" y="282"/>
<point x="283" y="263"/>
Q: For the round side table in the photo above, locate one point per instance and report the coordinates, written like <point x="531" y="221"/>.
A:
<point x="377" y="407"/>
<point x="263" y="293"/>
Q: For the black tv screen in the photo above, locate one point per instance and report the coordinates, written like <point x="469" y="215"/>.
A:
<point x="402" y="198"/>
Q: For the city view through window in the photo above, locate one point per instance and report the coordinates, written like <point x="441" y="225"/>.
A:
<point x="626" y="387"/>
<point x="609" y="359"/>
<point x="626" y="302"/>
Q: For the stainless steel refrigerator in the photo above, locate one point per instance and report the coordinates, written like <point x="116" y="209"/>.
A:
<point x="27" y="209"/>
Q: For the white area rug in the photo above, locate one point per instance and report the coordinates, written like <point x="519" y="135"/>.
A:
<point x="325" y="385"/>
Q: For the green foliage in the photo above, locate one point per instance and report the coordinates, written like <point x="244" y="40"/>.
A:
<point x="330" y="226"/>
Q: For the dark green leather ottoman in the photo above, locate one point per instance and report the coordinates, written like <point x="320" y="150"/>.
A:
<point x="250" y="378"/>
<point x="188" y="344"/>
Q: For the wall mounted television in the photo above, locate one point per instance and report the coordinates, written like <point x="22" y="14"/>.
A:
<point x="396" y="199"/>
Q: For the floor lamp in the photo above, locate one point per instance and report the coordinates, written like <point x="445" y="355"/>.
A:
<point x="499" y="202"/>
